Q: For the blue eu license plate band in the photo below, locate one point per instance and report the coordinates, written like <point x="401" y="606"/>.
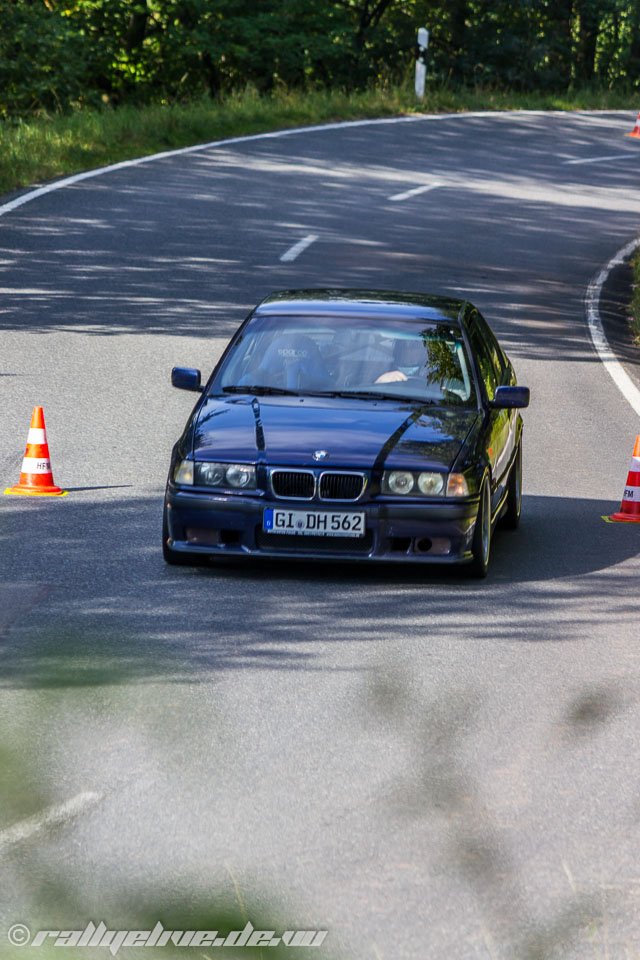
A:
<point x="317" y="523"/>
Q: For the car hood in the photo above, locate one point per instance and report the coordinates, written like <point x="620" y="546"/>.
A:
<point x="352" y="433"/>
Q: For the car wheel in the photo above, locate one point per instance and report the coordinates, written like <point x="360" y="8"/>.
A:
<point x="172" y="556"/>
<point x="481" y="543"/>
<point x="511" y="516"/>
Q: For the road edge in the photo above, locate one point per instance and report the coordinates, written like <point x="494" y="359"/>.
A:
<point x="612" y="365"/>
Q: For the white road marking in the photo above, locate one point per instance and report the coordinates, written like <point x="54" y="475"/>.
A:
<point x="298" y="248"/>
<point x="613" y="156"/>
<point x="413" y="193"/>
<point x="53" y="817"/>
<point x="614" y="368"/>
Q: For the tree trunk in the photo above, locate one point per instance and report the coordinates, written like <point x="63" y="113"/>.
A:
<point x="560" y="41"/>
<point x="213" y="75"/>
<point x="137" y="25"/>
<point x="371" y="13"/>
<point x="589" y="29"/>
<point x="459" y="14"/>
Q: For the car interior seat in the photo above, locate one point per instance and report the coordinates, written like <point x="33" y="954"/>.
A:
<point x="294" y="362"/>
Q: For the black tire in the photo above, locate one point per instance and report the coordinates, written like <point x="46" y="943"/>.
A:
<point x="511" y="517"/>
<point x="481" y="543"/>
<point x="173" y="557"/>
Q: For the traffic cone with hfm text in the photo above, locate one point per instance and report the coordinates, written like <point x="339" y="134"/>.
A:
<point x="36" y="476"/>
<point x="629" y="511"/>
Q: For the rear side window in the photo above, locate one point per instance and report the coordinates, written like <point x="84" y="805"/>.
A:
<point x="490" y="371"/>
<point x="497" y="356"/>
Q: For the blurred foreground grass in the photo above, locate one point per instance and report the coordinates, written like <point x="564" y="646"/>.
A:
<point x="46" y="846"/>
<point x="75" y="710"/>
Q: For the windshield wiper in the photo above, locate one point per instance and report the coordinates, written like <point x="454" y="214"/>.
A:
<point x="260" y="390"/>
<point x="371" y="395"/>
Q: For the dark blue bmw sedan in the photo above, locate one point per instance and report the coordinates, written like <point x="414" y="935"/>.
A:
<point x="350" y="425"/>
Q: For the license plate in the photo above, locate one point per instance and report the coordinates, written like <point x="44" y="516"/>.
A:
<point x="316" y="523"/>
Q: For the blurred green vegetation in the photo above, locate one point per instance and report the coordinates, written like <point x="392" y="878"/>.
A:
<point x="90" y="82"/>
<point x="57" y="54"/>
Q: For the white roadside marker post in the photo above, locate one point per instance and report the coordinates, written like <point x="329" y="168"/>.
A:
<point x="421" y="61"/>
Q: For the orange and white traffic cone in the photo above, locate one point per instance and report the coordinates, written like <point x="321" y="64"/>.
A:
<point x="630" y="507"/>
<point x="36" y="477"/>
<point x="636" y="130"/>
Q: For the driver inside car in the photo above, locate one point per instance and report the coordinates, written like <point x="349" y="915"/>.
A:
<point x="410" y="358"/>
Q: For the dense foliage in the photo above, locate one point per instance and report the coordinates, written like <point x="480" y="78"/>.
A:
<point x="55" y="54"/>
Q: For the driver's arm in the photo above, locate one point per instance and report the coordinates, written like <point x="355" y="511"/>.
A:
<point x="391" y="376"/>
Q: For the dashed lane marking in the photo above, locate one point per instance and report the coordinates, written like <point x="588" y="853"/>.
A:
<point x="293" y="252"/>
<point x="397" y="197"/>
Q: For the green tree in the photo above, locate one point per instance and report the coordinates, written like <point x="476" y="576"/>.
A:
<point x="55" y="54"/>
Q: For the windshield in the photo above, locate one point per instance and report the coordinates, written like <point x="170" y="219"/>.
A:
<point x="418" y="360"/>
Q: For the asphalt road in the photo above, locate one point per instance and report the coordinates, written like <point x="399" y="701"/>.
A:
<point x="424" y="766"/>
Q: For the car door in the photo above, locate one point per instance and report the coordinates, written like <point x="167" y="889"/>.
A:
<point x="494" y="372"/>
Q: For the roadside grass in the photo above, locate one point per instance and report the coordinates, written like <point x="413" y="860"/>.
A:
<point x="634" y="310"/>
<point x="36" y="150"/>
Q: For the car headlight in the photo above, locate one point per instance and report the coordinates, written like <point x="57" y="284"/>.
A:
<point x="238" y="476"/>
<point x="210" y="474"/>
<point x="427" y="483"/>
<point x="431" y="484"/>
<point x="241" y="476"/>
<point x="400" y="481"/>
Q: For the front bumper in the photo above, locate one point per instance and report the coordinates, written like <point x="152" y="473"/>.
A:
<point x="224" y="525"/>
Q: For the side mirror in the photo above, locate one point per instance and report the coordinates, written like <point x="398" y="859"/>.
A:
<point x="186" y="378"/>
<point x="510" y="398"/>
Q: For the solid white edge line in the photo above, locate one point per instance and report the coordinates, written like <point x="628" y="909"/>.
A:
<point x="612" y="365"/>
<point x="53" y="817"/>
<point x="414" y="192"/>
<point x="613" y="156"/>
<point x="600" y="342"/>
<point x="289" y="255"/>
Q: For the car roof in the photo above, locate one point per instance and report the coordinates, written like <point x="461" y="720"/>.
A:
<point x="386" y="304"/>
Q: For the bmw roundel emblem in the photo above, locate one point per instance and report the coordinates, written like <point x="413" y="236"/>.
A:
<point x="320" y="454"/>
